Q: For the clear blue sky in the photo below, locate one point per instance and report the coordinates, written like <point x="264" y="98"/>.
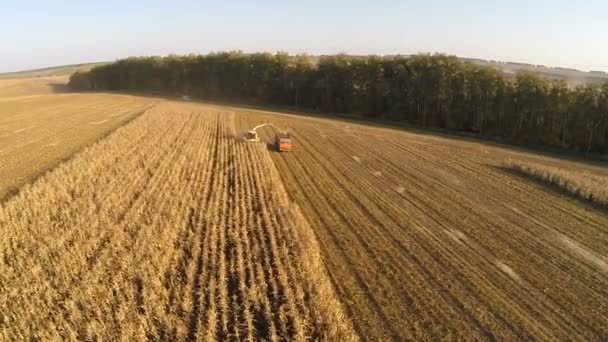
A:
<point x="569" y="33"/>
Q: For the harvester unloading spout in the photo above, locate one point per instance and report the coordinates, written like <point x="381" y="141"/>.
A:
<point x="282" y="138"/>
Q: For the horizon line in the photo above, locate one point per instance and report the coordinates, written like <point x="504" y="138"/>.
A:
<point x="492" y="60"/>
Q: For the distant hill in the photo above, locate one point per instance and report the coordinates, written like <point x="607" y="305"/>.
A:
<point x="572" y="76"/>
<point x="63" y="70"/>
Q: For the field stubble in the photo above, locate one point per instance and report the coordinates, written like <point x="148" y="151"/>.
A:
<point x="426" y="238"/>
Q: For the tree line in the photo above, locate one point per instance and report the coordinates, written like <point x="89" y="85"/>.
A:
<point x="428" y="90"/>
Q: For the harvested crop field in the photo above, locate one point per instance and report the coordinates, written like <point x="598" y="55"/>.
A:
<point x="174" y="228"/>
<point x="18" y="87"/>
<point x="428" y="238"/>
<point x="38" y="132"/>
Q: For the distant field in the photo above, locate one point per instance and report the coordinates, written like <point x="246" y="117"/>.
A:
<point x="37" y="133"/>
<point x="64" y="70"/>
<point x="17" y="87"/>
<point x="173" y="228"/>
<point x="571" y="76"/>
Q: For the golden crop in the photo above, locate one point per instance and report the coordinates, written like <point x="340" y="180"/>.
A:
<point x="38" y="132"/>
<point x="171" y="228"/>
<point x="583" y="185"/>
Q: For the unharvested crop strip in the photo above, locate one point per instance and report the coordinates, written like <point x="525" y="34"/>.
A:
<point x="184" y="240"/>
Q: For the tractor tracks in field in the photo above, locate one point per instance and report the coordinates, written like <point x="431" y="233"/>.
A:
<point x="540" y="248"/>
<point x="386" y="220"/>
<point x="436" y="237"/>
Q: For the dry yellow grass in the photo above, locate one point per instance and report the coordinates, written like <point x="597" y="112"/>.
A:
<point x="38" y="132"/>
<point x="583" y="185"/>
<point x="171" y="228"/>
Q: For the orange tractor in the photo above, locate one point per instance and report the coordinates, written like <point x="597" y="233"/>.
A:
<point x="282" y="139"/>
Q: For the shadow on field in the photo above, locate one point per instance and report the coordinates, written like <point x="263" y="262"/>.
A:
<point x="59" y="88"/>
<point x="272" y="148"/>
<point x="552" y="188"/>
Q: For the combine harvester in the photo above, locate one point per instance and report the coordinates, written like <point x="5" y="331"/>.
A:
<point x="282" y="139"/>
